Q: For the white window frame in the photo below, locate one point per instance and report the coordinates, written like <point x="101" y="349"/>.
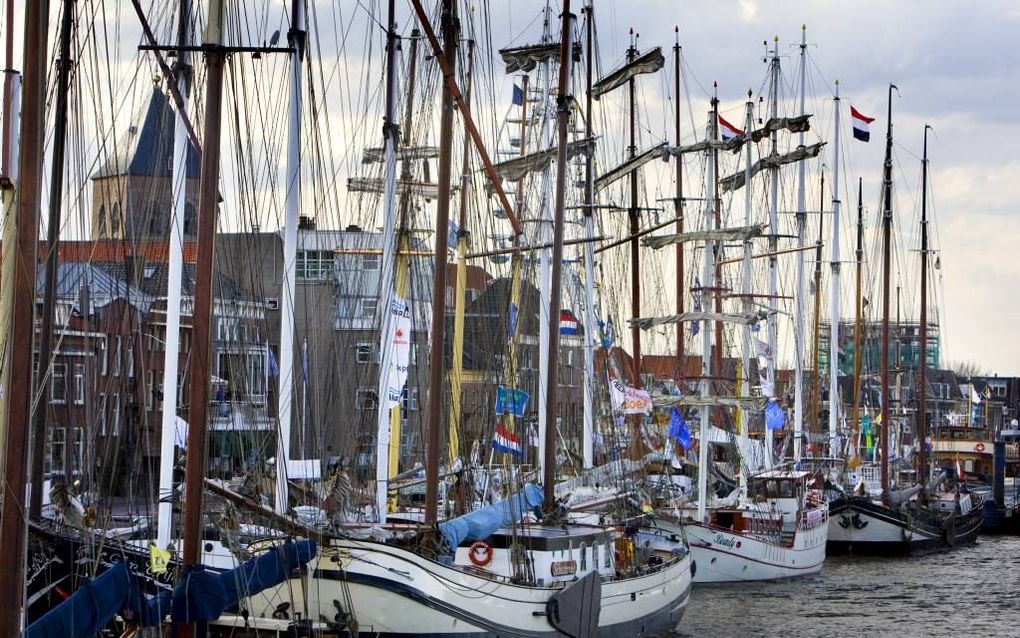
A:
<point x="364" y="352"/>
<point x="115" y="429"/>
<point x="131" y="359"/>
<point x="367" y="307"/>
<point x="105" y="362"/>
<point x="371" y="261"/>
<point x="366" y="399"/>
<point x="409" y="399"/>
<point x="79" y="384"/>
<point x="101" y="413"/>
<point x="117" y="355"/>
<point x="59" y="370"/>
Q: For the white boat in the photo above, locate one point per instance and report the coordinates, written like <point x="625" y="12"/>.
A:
<point x="580" y="586"/>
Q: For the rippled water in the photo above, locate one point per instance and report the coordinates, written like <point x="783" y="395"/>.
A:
<point x="971" y="592"/>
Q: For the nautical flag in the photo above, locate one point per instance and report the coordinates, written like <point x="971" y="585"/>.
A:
<point x="860" y="123"/>
<point x="518" y="96"/>
<point x="504" y="441"/>
<point x="775" y="417"/>
<point x="159" y="559"/>
<point x="974" y="396"/>
<point x="727" y="131"/>
<point x="452" y="236"/>
<point x="678" y="429"/>
<point x="608" y="334"/>
<point x="512" y="401"/>
<point x="568" y="323"/>
<point x="696" y="326"/>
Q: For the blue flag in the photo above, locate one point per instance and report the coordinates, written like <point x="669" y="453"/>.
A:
<point x="511" y="321"/>
<point x="511" y="401"/>
<point x="518" y="96"/>
<point x="608" y="334"/>
<point x="678" y="429"/>
<point x="775" y="416"/>
<point x="274" y="368"/>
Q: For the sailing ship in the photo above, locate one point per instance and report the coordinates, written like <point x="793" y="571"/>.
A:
<point x="936" y="513"/>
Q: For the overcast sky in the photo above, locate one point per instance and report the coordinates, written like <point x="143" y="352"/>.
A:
<point x="957" y="66"/>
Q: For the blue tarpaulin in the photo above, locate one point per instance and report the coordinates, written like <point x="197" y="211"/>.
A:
<point x="201" y="595"/>
<point x="481" y="524"/>
<point x="88" y="610"/>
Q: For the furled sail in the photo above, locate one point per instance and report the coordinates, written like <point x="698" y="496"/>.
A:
<point x="749" y="318"/>
<point x="732" y="144"/>
<point x="797" y="124"/>
<point x="650" y="62"/>
<point x="377" y="154"/>
<point x="738" y="233"/>
<point x="632" y="164"/>
<point x="736" y="180"/>
<point x="518" y="168"/>
<point x="482" y="523"/>
<point x="404" y="187"/>
<point x="526" y="58"/>
<point x="750" y="404"/>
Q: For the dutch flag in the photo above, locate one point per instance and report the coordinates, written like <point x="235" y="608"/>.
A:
<point x="503" y="441"/>
<point x="727" y="131"/>
<point x="861" y="122"/>
<point x="568" y="323"/>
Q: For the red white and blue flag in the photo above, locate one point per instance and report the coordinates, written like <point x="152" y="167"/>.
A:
<point x="860" y="123"/>
<point x="727" y="131"/>
<point x="504" y="441"/>
<point x="568" y="323"/>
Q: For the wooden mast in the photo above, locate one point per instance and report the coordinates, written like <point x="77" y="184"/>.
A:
<point x="590" y="342"/>
<point x="922" y="388"/>
<point x="18" y="360"/>
<point x="198" y="382"/>
<point x="859" y="257"/>
<point x="886" y="255"/>
<point x="635" y="225"/>
<point x="563" y="103"/>
<point x="679" y="210"/>
<point x="52" y="244"/>
<point x="450" y="27"/>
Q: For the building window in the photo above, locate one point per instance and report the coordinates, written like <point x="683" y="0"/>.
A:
<point x="370" y="262"/>
<point x="363" y="352"/>
<point x="115" y="221"/>
<point x="367" y="399"/>
<point x="150" y="389"/>
<point x="368" y="305"/>
<point x="409" y="399"/>
<point x="117" y="356"/>
<point x="58" y="383"/>
<point x="79" y="383"/>
<point x="101" y="231"/>
<point x="272" y="303"/>
<point x="131" y="360"/>
<point x="58" y="438"/>
<point x="115" y="429"/>
<point x="104" y="360"/>
<point x="189" y="219"/>
<point x="314" y="264"/>
<point x="101" y="414"/>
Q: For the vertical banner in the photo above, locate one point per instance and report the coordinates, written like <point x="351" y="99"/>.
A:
<point x="400" y="350"/>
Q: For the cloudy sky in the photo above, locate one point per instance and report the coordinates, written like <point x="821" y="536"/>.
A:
<point x="957" y="66"/>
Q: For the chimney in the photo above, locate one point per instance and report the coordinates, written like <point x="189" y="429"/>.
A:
<point x="305" y="223"/>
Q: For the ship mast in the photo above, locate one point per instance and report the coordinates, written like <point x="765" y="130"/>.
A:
<point x="391" y="133"/>
<point x="18" y="358"/>
<point x="773" y="249"/>
<point x="679" y="209"/>
<point x="588" y="436"/>
<point x="859" y="310"/>
<point x="922" y="388"/>
<point x="798" y="315"/>
<point x="564" y="100"/>
<point x="175" y="267"/>
<point x="745" y="291"/>
<point x="886" y="250"/>
<point x="285" y="407"/>
<point x="635" y="226"/>
<point x="834" y="292"/>
<point x="545" y="334"/>
<point x="450" y="27"/>
<point x="816" y="374"/>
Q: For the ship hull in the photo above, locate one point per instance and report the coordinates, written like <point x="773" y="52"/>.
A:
<point x="395" y="592"/>
<point x="859" y="526"/>
<point x="725" y="556"/>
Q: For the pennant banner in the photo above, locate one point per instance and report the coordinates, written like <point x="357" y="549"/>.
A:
<point x="400" y="350"/>
<point x="628" y="400"/>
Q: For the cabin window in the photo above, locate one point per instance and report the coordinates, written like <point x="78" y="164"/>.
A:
<point x="79" y="383"/>
<point x="363" y="352"/>
<point x="58" y="383"/>
<point x="367" y="399"/>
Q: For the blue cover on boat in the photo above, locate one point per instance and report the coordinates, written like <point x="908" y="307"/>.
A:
<point x="89" y="609"/>
<point x="201" y="595"/>
<point x="481" y="524"/>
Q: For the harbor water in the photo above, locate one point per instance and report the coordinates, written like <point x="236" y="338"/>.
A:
<point x="972" y="592"/>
